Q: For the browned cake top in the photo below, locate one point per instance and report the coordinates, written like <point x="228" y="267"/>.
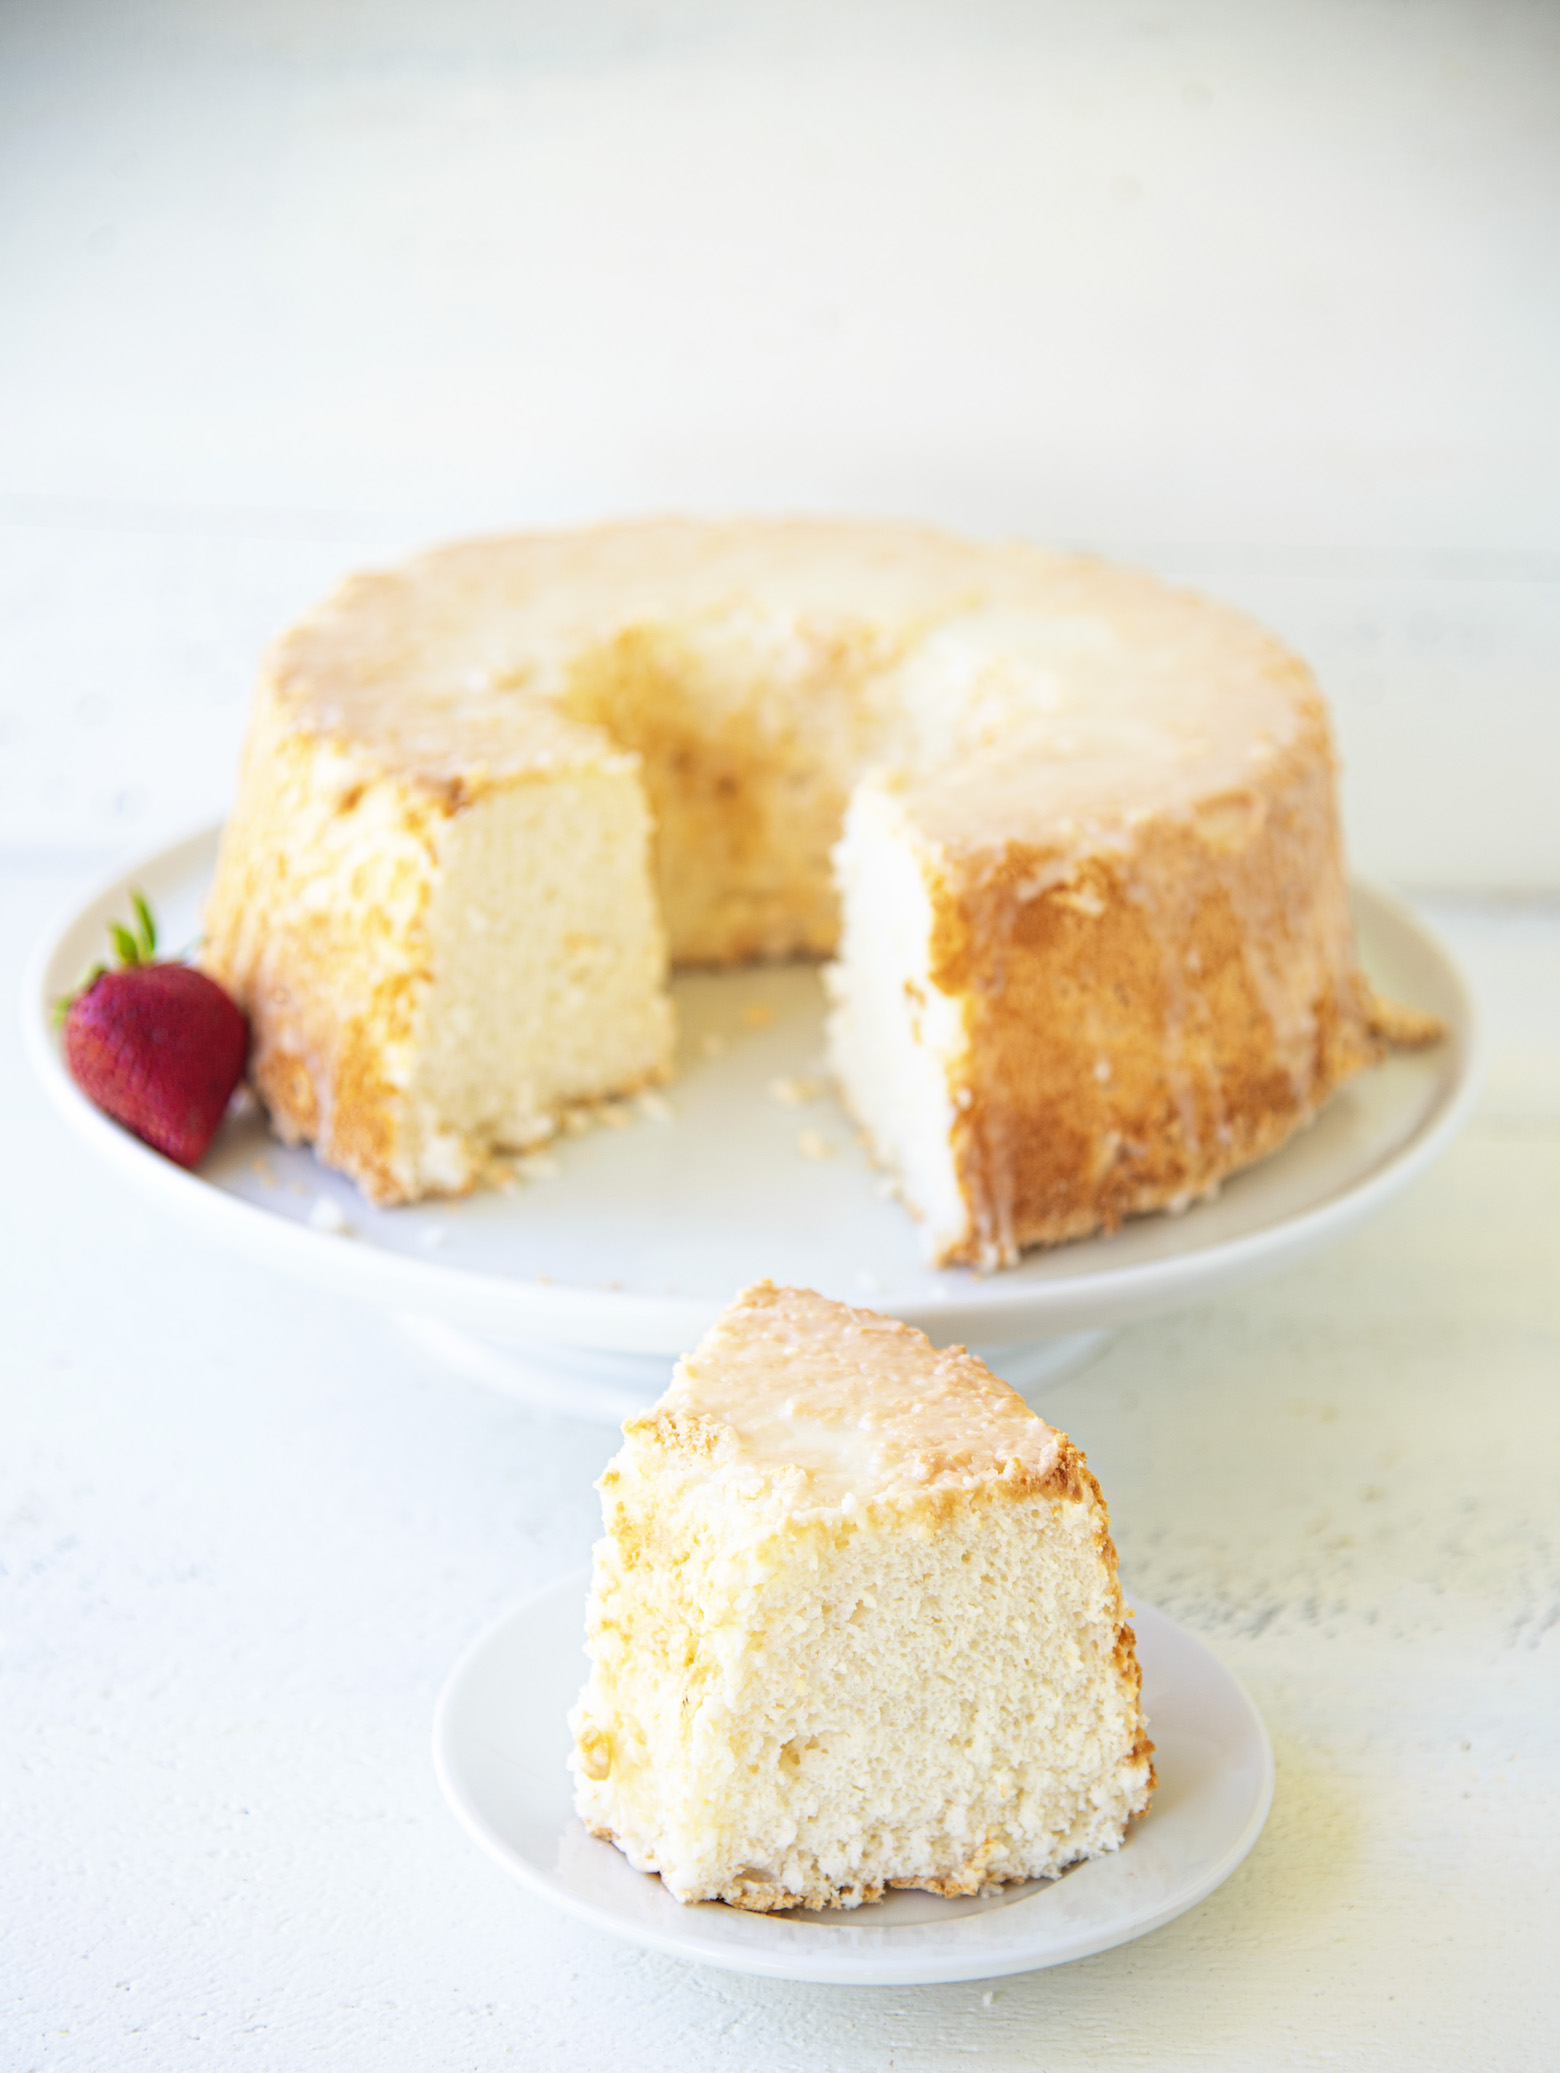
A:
<point x="994" y="662"/>
<point x="864" y="1407"/>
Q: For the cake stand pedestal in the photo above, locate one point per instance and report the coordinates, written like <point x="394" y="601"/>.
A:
<point x="604" y="1388"/>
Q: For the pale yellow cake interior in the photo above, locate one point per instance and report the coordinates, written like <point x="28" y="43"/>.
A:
<point x="551" y="976"/>
<point x="855" y="1623"/>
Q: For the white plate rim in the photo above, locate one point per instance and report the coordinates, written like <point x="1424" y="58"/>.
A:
<point x="982" y="1309"/>
<point x="836" y="1967"/>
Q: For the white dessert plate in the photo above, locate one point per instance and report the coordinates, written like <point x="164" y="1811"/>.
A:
<point x="501" y="1738"/>
<point x="631" y="1239"/>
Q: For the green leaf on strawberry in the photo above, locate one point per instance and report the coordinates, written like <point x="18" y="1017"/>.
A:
<point x="137" y="946"/>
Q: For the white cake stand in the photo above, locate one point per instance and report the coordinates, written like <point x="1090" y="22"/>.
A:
<point x="576" y="1291"/>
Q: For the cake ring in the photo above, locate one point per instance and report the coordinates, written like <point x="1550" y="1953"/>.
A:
<point x="1069" y="838"/>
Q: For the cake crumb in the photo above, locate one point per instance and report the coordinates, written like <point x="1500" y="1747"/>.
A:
<point x="614" y="1114"/>
<point x="575" y="1122"/>
<point x="654" y="1106"/>
<point x="887" y="1188"/>
<point x="757" y="1016"/>
<point x="265" y="1172"/>
<point x="1406" y="1029"/>
<point x="812" y="1144"/>
<point x="793" y="1093"/>
<point x="327" y="1215"/>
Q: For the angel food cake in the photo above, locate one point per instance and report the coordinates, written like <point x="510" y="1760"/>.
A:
<point x="1069" y="836"/>
<point x="855" y="1624"/>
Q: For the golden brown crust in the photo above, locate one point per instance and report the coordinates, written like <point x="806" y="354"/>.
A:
<point x="330" y="970"/>
<point x="1068" y="1479"/>
<point x="1144" y="1748"/>
<point x="1150" y="1022"/>
<point x="1404" y="1028"/>
<point x="286" y="1086"/>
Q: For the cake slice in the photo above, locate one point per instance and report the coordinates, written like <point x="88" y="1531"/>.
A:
<point x="1068" y="992"/>
<point x="855" y="1624"/>
<point x="442" y="937"/>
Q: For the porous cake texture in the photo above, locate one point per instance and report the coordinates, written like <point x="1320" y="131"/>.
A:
<point x="1046" y="1027"/>
<point x="443" y="938"/>
<point x="855" y="1623"/>
<point x="1096" y="950"/>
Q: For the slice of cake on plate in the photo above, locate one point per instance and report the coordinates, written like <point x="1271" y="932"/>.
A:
<point x="855" y="1624"/>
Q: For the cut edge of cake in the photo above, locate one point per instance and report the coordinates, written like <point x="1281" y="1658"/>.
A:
<point x="388" y="937"/>
<point x="979" y="1031"/>
<point x="833" y="1555"/>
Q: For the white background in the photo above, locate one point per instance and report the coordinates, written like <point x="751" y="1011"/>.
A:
<point x="1262" y="294"/>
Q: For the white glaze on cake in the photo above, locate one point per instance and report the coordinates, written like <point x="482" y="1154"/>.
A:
<point x="841" y="1408"/>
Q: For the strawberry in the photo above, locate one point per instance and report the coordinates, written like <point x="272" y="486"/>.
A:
<point x="158" y="1046"/>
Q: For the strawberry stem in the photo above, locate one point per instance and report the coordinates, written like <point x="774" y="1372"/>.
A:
<point x="137" y="946"/>
<point x="143" y="915"/>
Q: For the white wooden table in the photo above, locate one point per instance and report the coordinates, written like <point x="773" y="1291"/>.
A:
<point x="244" y="1536"/>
